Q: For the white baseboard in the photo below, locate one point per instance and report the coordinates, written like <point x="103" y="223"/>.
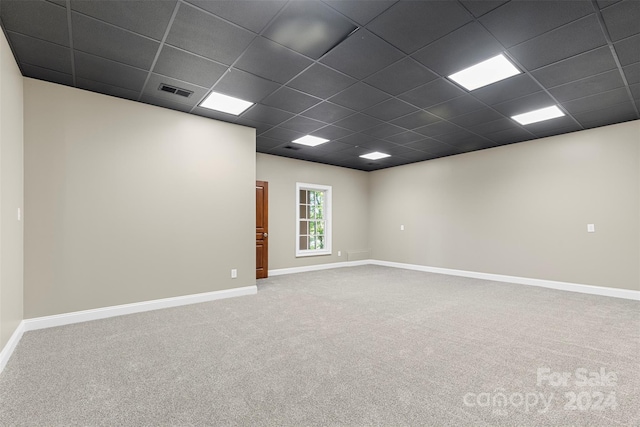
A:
<point x="8" y="349"/>
<point x="138" y="307"/>
<point x="292" y="270"/>
<point x="563" y="286"/>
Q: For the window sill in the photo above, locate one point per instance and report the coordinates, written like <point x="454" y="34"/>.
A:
<point x="307" y="254"/>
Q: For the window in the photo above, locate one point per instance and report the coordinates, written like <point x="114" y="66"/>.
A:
<point x="313" y="219"/>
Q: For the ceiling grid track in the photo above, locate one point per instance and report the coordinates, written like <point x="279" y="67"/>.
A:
<point x="155" y="58"/>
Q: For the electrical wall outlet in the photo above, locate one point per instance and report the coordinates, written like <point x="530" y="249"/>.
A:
<point x="234" y="273"/>
<point x="339" y="253"/>
<point x="591" y="228"/>
<point x="402" y="228"/>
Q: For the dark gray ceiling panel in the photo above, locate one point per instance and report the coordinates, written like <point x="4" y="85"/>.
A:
<point x="109" y="72"/>
<point x="251" y="14"/>
<point x="480" y="7"/>
<point x="594" y="102"/>
<point x="510" y="136"/>
<point x="106" y="89"/>
<point x="267" y="143"/>
<point x="628" y="50"/>
<point x="390" y="109"/>
<point x="525" y="104"/>
<point x="332" y="146"/>
<point x="480" y="116"/>
<point x="504" y="90"/>
<point x="612" y="114"/>
<point x="572" y="39"/>
<point x="41" y="53"/>
<point x="420" y="23"/>
<point x="358" y="122"/>
<point x="383" y="130"/>
<point x="606" y="3"/>
<point x="290" y="100"/>
<point x="621" y="19"/>
<point x="321" y="81"/>
<point x="456" y="107"/>
<point x="264" y="114"/>
<point x="36" y="18"/>
<point x="415" y="120"/>
<point x="328" y="112"/>
<point x="432" y="93"/>
<point x="400" y="77"/>
<point x="360" y="11"/>
<point x="518" y="21"/>
<point x="428" y="145"/>
<point x="460" y="49"/>
<point x="243" y="85"/>
<point x="493" y="126"/>
<point x="436" y="129"/>
<point x="575" y="68"/>
<point x="267" y="59"/>
<point x="206" y="35"/>
<point x="110" y="42"/>
<point x="302" y="124"/>
<point x="632" y="73"/>
<point x="40" y="73"/>
<point x="331" y="132"/>
<point x="588" y="86"/>
<point x="283" y="134"/>
<point x="149" y="18"/>
<point x="183" y="65"/>
<point x="291" y="28"/>
<point x="356" y="139"/>
<point x="405" y="137"/>
<point x="361" y="55"/>
<point x="359" y="97"/>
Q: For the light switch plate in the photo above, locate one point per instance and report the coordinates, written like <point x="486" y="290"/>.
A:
<point x="234" y="273"/>
<point x="591" y="228"/>
<point x="402" y="228"/>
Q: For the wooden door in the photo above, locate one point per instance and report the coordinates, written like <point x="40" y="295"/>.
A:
<point x="262" y="229"/>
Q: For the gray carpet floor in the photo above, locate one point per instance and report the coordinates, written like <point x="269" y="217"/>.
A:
<point x="352" y="346"/>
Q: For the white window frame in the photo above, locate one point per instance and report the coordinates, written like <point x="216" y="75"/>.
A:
<point x="327" y="213"/>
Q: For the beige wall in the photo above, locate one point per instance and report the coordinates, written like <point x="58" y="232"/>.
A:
<point x="519" y="210"/>
<point x="128" y="202"/>
<point x="350" y="195"/>
<point x="11" y="193"/>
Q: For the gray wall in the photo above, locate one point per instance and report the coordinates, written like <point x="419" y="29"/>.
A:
<point x="519" y="210"/>
<point x="350" y="197"/>
<point x="128" y="202"/>
<point x="11" y="193"/>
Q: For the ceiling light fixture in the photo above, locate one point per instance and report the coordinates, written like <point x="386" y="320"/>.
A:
<point x="538" y="115"/>
<point x="375" y="155"/>
<point x="225" y="103"/>
<point x="310" y="141"/>
<point x="486" y="72"/>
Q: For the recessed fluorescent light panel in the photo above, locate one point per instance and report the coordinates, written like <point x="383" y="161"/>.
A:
<point x="490" y="71"/>
<point x="538" y="115"/>
<point x="225" y="103"/>
<point x="310" y="141"/>
<point x="375" y="155"/>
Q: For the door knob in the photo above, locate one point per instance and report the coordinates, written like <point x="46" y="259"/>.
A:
<point x="265" y="234"/>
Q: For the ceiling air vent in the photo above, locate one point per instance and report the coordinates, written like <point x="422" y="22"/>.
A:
<point x="289" y="147"/>
<point x="175" y="90"/>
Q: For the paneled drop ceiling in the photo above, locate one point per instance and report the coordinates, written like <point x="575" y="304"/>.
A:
<point x="367" y="75"/>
